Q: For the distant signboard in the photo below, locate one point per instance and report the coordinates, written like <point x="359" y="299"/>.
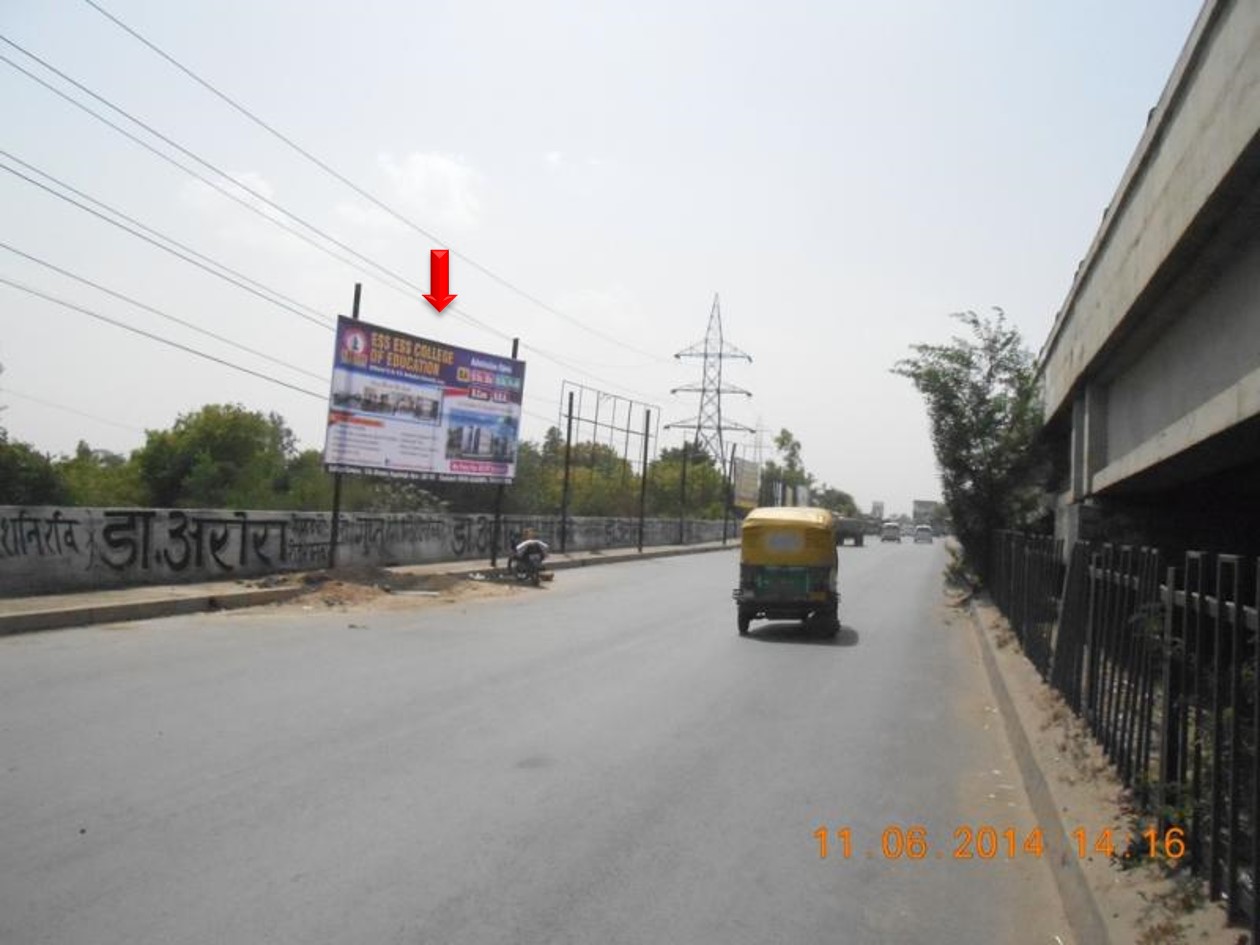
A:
<point x="923" y="511"/>
<point x="414" y="408"/>
<point x="747" y="477"/>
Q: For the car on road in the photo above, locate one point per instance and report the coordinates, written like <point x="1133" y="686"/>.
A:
<point x="923" y="534"/>
<point x="890" y="531"/>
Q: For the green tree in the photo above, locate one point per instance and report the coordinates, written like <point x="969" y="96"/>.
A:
<point x="837" y="500"/>
<point x="984" y="414"/>
<point x="383" y="494"/>
<point x="217" y="457"/>
<point x="99" y="477"/>
<point x="28" y="477"/>
<point x="536" y="488"/>
<point x="706" y="486"/>
<point x="553" y="447"/>
<point x="600" y="482"/>
<point x="789" y="448"/>
<point x="788" y="474"/>
<point x="305" y="485"/>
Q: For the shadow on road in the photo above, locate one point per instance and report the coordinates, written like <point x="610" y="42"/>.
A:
<point x="795" y="632"/>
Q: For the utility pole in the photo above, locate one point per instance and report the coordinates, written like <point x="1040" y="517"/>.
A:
<point x="498" y="494"/>
<point x="730" y="494"/>
<point x="647" y="427"/>
<point x="336" y="508"/>
<point x="564" y="496"/>
<point x="682" y="496"/>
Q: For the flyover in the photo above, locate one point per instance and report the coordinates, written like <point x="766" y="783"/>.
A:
<point x="1151" y="372"/>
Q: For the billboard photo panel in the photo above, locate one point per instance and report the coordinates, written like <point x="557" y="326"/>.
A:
<point x="410" y="407"/>
<point x="747" y="476"/>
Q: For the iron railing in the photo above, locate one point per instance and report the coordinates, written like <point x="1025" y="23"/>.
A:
<point x="1160" y="659"/>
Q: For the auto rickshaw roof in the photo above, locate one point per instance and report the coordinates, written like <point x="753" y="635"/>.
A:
<point x="789" y="514"/>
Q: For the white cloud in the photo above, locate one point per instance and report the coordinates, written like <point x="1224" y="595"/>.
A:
<point x="204" y="198"/>
<point x="558" y="159"/>
<point x="441" y="190"/>
<point x="233" y="222"/>
<point x="368" y="216"/>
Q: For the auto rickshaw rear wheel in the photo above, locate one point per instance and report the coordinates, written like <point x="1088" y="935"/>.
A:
<point x="745" y="619"/>
<point x="825" y="622"/>
<point x="833" y="623"/>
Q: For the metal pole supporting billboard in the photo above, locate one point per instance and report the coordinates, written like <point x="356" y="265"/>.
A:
<point x="336" y="505"/>
<point x="498" y="494"/>
<point x="564" y="496"/>
<point x="682" y="495"/>
<point x="730" y="493"/>
<point x="647" y="426"/>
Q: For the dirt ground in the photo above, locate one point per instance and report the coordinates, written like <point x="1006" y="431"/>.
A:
<point x="1142" y="901"/>
<point x="371" y="589"/>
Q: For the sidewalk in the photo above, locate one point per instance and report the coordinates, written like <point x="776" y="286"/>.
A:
<point x="82" y="608"/>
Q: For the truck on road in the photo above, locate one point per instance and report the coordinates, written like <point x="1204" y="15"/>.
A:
<point x="849" y="528"/>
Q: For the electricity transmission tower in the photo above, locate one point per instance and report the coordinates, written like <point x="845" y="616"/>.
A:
<point x="709" y="424"/>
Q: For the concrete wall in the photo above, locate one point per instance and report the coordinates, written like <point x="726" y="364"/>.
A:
<point x="45" y="550"/>
<point x="1206" y="119"/>
<point x="1199" y="377"/>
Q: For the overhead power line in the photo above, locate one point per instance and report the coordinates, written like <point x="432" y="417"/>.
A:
<point x="193" y="351"/>
<point x="318" y="321"/>
<point x="456" y="309"/>
<point x="554" y="359"/>
<point x="162" y="236"/>
<point x="414" y="294"/>
<point x="201" y="177"/>
<point x="191" y="155"/>
<point x="49" y="403"/>
<point x="158" y="338"/>
<point x="365" y="194"/>
<point x="160" y="313"/>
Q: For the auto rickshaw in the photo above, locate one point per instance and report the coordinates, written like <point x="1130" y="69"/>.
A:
<point x="787" y="568"/>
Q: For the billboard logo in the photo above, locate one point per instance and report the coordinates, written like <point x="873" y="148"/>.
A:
<point x="354" y="348"/>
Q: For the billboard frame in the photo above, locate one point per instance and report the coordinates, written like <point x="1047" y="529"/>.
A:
<point x="402" y="406"/>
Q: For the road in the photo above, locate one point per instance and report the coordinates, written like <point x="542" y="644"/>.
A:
<point x="603" y="760"/>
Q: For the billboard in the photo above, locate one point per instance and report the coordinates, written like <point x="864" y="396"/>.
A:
<point x="924" y="510"/>
<point x="747" y="481"/>
<point x="414" y="408"/>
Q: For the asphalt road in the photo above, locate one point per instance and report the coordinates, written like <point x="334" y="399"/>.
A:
<point x="603" y="760"/>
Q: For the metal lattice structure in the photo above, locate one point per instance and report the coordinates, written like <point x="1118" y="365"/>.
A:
<point x="709" y="425"/>
<point x="614" y="421"/>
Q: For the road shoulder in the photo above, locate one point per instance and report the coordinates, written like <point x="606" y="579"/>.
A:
<point x="1076" y="797"/>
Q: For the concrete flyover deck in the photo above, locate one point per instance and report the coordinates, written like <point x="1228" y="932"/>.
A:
<point x="1151" y="373"/>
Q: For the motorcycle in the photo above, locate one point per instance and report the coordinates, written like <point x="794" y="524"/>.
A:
<point x="526" y="567"/>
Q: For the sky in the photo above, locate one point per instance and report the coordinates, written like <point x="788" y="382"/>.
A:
<point x="842" y="175"/>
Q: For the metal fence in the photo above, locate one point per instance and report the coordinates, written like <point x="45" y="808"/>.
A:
<point x="1028" y="578"/>
<point x="1160" y="659"/>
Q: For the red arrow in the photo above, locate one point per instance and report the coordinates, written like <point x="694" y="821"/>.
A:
<point x="440" y="279"/>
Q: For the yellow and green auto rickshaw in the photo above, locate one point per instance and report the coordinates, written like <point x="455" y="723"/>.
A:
<point x="787" y="568"/>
